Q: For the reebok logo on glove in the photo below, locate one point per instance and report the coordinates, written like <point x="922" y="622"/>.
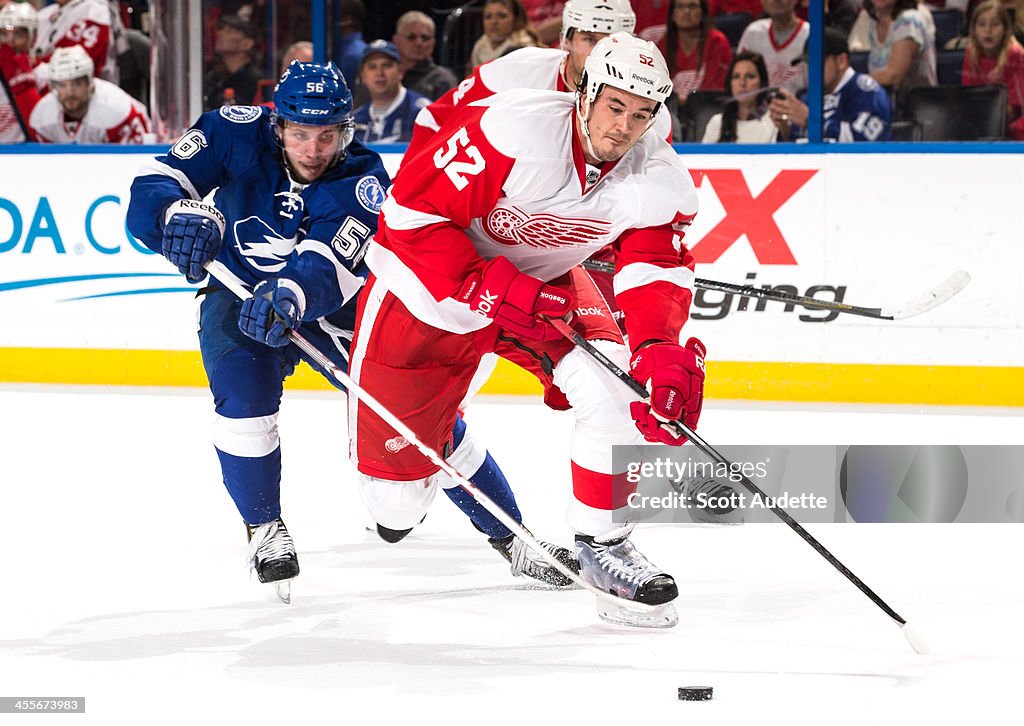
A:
<point x="486" y="303"/>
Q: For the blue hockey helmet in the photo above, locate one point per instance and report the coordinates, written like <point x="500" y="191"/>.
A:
<point x="314" y="94"/>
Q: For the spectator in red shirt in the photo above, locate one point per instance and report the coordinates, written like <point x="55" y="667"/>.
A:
<point x="994" y="56"/>
<point x="698" y="54"/>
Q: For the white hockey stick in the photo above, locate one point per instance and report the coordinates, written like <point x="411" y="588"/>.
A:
<point x="921" y="304"/>
<point x="618" y="610"/>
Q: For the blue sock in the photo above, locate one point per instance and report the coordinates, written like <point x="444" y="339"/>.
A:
<point x="254" y="484"/>
<point x="488" y="478"/>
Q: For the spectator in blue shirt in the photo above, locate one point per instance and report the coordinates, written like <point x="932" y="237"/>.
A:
<point x="389" y="115"/>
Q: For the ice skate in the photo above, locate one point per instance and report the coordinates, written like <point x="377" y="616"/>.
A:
<point x="617" y="567"/>
<point x="272" y="555"/>
<point x="524" y="561"/>
<point x="700" y="489"/>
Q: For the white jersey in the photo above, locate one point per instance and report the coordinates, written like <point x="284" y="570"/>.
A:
<point x="92" y="24"/>
<point x="535" y="68"/>
<point x="779" y="56"/>
<point x="113" y="117"/>
<point x="509" y="179"/>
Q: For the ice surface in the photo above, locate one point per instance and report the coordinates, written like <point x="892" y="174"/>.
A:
<point x="124" y="582"/>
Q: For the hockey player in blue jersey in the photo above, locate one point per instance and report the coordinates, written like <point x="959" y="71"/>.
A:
<point x="287" y="201"/>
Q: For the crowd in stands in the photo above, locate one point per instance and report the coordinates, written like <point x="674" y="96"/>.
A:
<point x="739" y="67"/>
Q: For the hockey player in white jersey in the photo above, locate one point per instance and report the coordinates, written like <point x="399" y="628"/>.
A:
<point x="481" y="241"/>
<point x="82" y="109"/>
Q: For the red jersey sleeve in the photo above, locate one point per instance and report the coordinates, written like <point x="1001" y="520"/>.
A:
<point x="434" y="116"/>
<point x="438" y="194"/>
<point x="654" y="281"/>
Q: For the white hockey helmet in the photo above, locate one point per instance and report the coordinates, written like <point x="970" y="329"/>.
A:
<point x="630" y="64"/>
<point x="598" y="16"/>
<point x="19" y="15"/>
<point x="69" y="63"/>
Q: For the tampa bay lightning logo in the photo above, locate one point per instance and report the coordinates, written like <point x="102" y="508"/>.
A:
<point x="370" y="194"/>
<point x="261" y="246"/>
<point x="240" y="114"/>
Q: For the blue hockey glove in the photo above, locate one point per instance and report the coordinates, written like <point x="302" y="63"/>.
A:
<point x="192" y="235"/>
<point x="276" y="306"/>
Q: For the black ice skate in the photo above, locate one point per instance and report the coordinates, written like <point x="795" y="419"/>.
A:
<point x="525" y="561"/>
<point x="272" y="555"/>
<point x="704" y="489"/>
<point x="617" y="567"/>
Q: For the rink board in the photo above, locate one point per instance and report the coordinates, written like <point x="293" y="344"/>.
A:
<point x="85" y="303"/>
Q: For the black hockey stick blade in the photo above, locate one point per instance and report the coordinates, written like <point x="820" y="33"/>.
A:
<point x="914" y="638"/>
<point x="921" y="304"/>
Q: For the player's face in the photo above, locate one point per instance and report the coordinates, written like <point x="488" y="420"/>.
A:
<point x="989" y="31"/>
<point x="579" y="47"/>
<point x="73" y="95"/>
<point x="498" y="22"/>
<point x="617" y="119"/>
<point x="415" y="42"/>
<point x="17" y="38"/>
<point x="381" y="75"/>
<point x="309" y="150"/>
<point x="687" y="14"/>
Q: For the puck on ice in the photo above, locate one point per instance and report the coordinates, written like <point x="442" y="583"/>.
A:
<point x="695" y="693"/>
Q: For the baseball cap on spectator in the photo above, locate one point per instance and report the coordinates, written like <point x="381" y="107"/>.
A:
<point x="237" y="23"/>
<point x="381" y="47"/>
<point x="833" y="43"/>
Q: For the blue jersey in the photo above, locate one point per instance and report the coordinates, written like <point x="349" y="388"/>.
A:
<point x="395" y="124"/>
<point x="313" y="234"/>
<point x="858" y="110"/>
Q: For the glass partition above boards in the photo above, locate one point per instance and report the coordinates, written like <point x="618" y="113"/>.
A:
<point x="740" y="71"/>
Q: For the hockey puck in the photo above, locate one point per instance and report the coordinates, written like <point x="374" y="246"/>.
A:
<point x="695" y="693"/>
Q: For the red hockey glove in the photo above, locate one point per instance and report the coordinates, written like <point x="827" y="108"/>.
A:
<point x="674" y="376"/>
<point x="515" y="301"/>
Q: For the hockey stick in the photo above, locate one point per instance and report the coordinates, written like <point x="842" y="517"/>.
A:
<point x="921" y="304"/>
<point x="912" y="636"/>
<point x="648" y="615"/>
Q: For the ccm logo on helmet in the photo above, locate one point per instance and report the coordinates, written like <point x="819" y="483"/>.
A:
<point x="315" y="111"/>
